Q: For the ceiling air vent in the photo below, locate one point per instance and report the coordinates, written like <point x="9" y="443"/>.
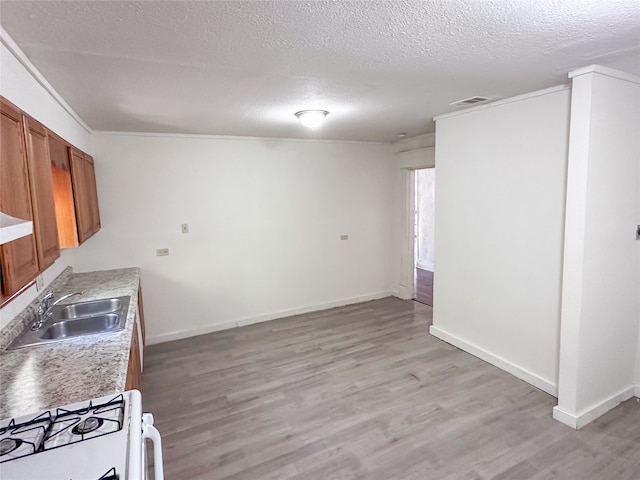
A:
<point x="471" y="101"/>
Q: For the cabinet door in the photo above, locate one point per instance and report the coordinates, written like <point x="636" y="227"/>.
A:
<point x="141" y="315"/>
<point x="134" y="371"/>
<point x="59" y="151"/>
<point x="140" y="342"/>
<point x="92" y="193"/>
<point x="81" y="195"/>
<point x="19" y="258"/>
<point x="41" y="182"/>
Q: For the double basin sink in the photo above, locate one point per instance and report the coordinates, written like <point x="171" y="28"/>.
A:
<point x="76" y="320"/>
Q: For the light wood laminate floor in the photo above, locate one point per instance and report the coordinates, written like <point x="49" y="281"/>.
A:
<point x="364" y="392"/>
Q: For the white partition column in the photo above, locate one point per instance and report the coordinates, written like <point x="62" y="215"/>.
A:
<point x="601" y="279"/>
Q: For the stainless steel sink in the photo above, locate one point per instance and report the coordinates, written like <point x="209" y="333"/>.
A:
<point x="76" y="320"/>
<point x="83" y="326"/>
<point x="86" y="309"/>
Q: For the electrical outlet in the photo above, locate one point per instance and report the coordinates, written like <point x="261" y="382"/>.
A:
<point x="185" y="228"/>
<point x="39" y="283"/>
<point x="162" y="252"/>
<point x="344" y="237"/>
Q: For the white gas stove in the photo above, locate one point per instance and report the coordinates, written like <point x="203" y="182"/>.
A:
<point x="100" y="439"/>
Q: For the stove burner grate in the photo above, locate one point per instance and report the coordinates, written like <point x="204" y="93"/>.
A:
<point x="47" y="431"/>
<point x="8" y="445"/>
<point x="91" y="421"/>
<point x="88" y="425"/>
<point x="110" y="475"/>
<point x="21" y="439"/>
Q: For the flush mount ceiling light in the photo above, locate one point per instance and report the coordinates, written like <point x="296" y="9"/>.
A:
<point x="311" y="118"/>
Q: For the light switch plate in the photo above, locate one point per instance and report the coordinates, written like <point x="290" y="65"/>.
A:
<point x="185" y="228"/>
<point x="638" y="232"/>
<point x="162" y="252"/>
<point x="344" y="237"/>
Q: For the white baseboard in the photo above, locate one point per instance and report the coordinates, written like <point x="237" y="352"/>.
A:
<point x="499" y="362"/>
<point x="595" y="411"/>
<point x="565" y="417"/>
<point x="241" y="322"/>
<point x="401" y="294"/>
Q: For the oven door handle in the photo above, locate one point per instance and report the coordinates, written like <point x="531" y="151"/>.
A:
<point x="149" y="432"/>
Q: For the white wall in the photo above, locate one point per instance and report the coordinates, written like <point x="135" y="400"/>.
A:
<point x="265" y="219"/>
<point x="499" y="230"/>
<point x="637" y="389"/>
<point x="21" y="88"/>
<point x="600" y="308"/>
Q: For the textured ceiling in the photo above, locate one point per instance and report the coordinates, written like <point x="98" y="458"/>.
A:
<point x="245" y="67"/>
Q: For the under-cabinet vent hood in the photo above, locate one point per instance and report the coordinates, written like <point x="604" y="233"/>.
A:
<point x="12" y="228"/>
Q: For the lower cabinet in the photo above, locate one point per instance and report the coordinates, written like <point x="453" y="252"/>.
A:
<point x="134" y="372"/>
<point x="136" y="352"/>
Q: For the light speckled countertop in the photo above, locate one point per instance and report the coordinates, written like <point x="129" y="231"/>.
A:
<point x="35" y="378"/>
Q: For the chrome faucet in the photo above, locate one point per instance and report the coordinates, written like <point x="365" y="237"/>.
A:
<point x="43" y="310"/>
<point x="43" y="307"/>
<point x="64" y="297"/>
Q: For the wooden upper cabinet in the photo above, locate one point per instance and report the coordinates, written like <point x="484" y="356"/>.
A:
<point x="19" y="257"/>
<point x="46" y="180"/>
<point x="81" y="195"/>
<point x="85" y="194"/>
<point x="41" y="182"/>
<point x="59" y="152"/>
<point x="93" y="193"/>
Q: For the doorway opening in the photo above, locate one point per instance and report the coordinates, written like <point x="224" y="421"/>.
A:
<point x="424" y="226"/>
